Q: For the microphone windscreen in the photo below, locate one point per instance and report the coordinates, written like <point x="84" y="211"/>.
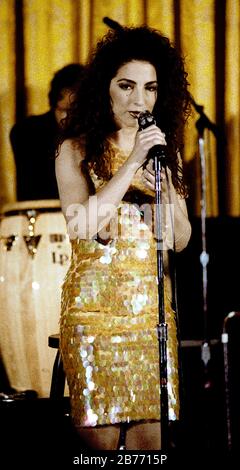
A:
<point x="145" y="119"/>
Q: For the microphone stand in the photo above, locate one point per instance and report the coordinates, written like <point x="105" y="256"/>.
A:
<point x="204" y="123"/>
<point x="157" y="153"/>
<point x="228" y="410"/>
<point x="224" y="339"/>
<point x="162" y="325"/>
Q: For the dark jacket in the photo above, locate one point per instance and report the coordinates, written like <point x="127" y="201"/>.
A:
<point x="33" y="144"/>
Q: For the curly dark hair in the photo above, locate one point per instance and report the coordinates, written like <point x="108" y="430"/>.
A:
<point x="91" y="115"/>
<point x="67" y="77"/>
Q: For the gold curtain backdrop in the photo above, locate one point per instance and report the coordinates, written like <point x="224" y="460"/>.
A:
<point x="56" y="32"/>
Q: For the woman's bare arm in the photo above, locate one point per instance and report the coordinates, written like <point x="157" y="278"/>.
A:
<point x="87" y="215"/>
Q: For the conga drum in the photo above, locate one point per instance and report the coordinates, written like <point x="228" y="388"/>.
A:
<point x="34" y="257"/>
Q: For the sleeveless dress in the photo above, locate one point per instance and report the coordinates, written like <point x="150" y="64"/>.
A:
<point x="109" y="313"/>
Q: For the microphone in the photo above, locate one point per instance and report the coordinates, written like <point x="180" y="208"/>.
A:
<point x="204" y="122"/>
<point x="112" y="24"/>
<point x="146" y="119"/>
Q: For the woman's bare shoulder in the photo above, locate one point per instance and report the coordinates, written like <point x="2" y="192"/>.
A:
<point x="73" y="149"/>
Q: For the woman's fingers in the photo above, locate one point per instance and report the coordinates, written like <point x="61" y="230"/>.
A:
<point x="148" y="176"/>
<point x="145" y="140"/>
<point x="152" y="135"/>
<point x="149" y="172"/>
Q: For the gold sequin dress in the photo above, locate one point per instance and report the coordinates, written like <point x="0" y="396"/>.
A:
<point x="108" y="323"/>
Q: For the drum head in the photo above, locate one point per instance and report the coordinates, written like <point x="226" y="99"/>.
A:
<point x="20" y="206"/>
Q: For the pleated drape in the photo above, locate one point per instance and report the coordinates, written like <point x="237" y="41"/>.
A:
<point x="40" y="36"/>
<point x="7" y="98"/>
<point x="232" y="100"/>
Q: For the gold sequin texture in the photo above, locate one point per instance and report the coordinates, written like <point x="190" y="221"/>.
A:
<point x="108" y="324"/>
